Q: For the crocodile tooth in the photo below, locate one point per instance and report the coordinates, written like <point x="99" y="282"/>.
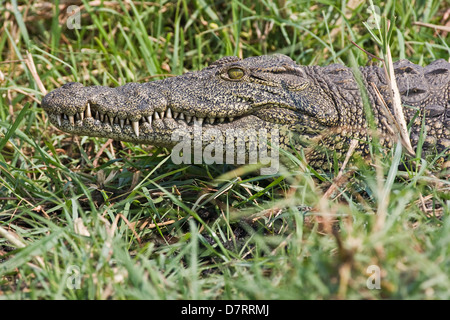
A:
<point x="200" y="120"/>
<point x="188" y="119"/>
<point x="175" y="114"/>
<point x="231" y="119"/>
<point x="168" y="113"/>
<point x="211" y="120"/>
<point x="97" y="115"/>
<point x="64" y="116"/>
<point x="58" y="117"/>
<point x="149" y="118"/>
<point x="127" y="121"/>
<point x="111" y="120"/>
<point x="161" y="114"/>
<point x="182" y="116"/>
<point x="72" y="120"/>
<point x="81" y="115"/>
<point x="88" y="111"/>
<point x="116" y="120"/>
<point x="102" y="117"/>
<point x="135" y="125"/>
<point x="221" y="120"/>
<point x="157" y="115"/>
<point x="122" y="123"/>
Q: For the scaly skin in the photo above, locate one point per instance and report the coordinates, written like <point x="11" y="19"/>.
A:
<point x="317" y="109"/>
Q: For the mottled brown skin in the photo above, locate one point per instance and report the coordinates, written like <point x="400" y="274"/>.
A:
<point x="317" y="109"/>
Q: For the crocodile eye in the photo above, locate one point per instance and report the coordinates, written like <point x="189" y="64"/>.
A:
<point x="235" y="73"/>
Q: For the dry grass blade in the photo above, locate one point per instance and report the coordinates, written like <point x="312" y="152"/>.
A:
<point x="99" y="153"/>
<point x="397" y="105"/>
<point x="30" y="95"/>
<point x="154" y="225"/>
<point x="30" y="64"/>
<point x="366" y="52"/>
<point x="398" y="117"/>
<point x="327" y="219"/>
<point x="127" y="222"/>
<point x="430" y="25"/>
<point x="14" y="240"/>
<point x="80" y="228"/>
<point x="338" y="180"/>
<point x="11" y="238"/>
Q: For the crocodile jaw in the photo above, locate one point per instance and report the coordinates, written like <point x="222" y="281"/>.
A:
<point x="150" y="113"/>
<point x="156" y="130"/>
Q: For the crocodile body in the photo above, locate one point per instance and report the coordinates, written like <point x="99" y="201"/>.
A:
<point x="318" y="110"/>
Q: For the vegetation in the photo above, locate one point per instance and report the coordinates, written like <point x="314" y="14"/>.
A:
<point x="86" y="218"/>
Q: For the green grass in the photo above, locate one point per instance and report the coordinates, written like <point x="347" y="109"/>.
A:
<point x="129" y="224"/>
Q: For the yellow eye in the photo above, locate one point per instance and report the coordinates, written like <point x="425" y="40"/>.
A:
<point x="235" y="73"/>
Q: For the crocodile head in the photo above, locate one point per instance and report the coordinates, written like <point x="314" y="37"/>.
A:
<point x="317" y="109"/>
<point x="231" y="93"/>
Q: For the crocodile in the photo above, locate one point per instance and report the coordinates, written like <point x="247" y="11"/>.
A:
<point x="317" y="110"/>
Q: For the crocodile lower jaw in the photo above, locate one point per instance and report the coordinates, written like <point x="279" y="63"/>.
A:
<point x="62" y="120"/>
<point x="156" y="129"/>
